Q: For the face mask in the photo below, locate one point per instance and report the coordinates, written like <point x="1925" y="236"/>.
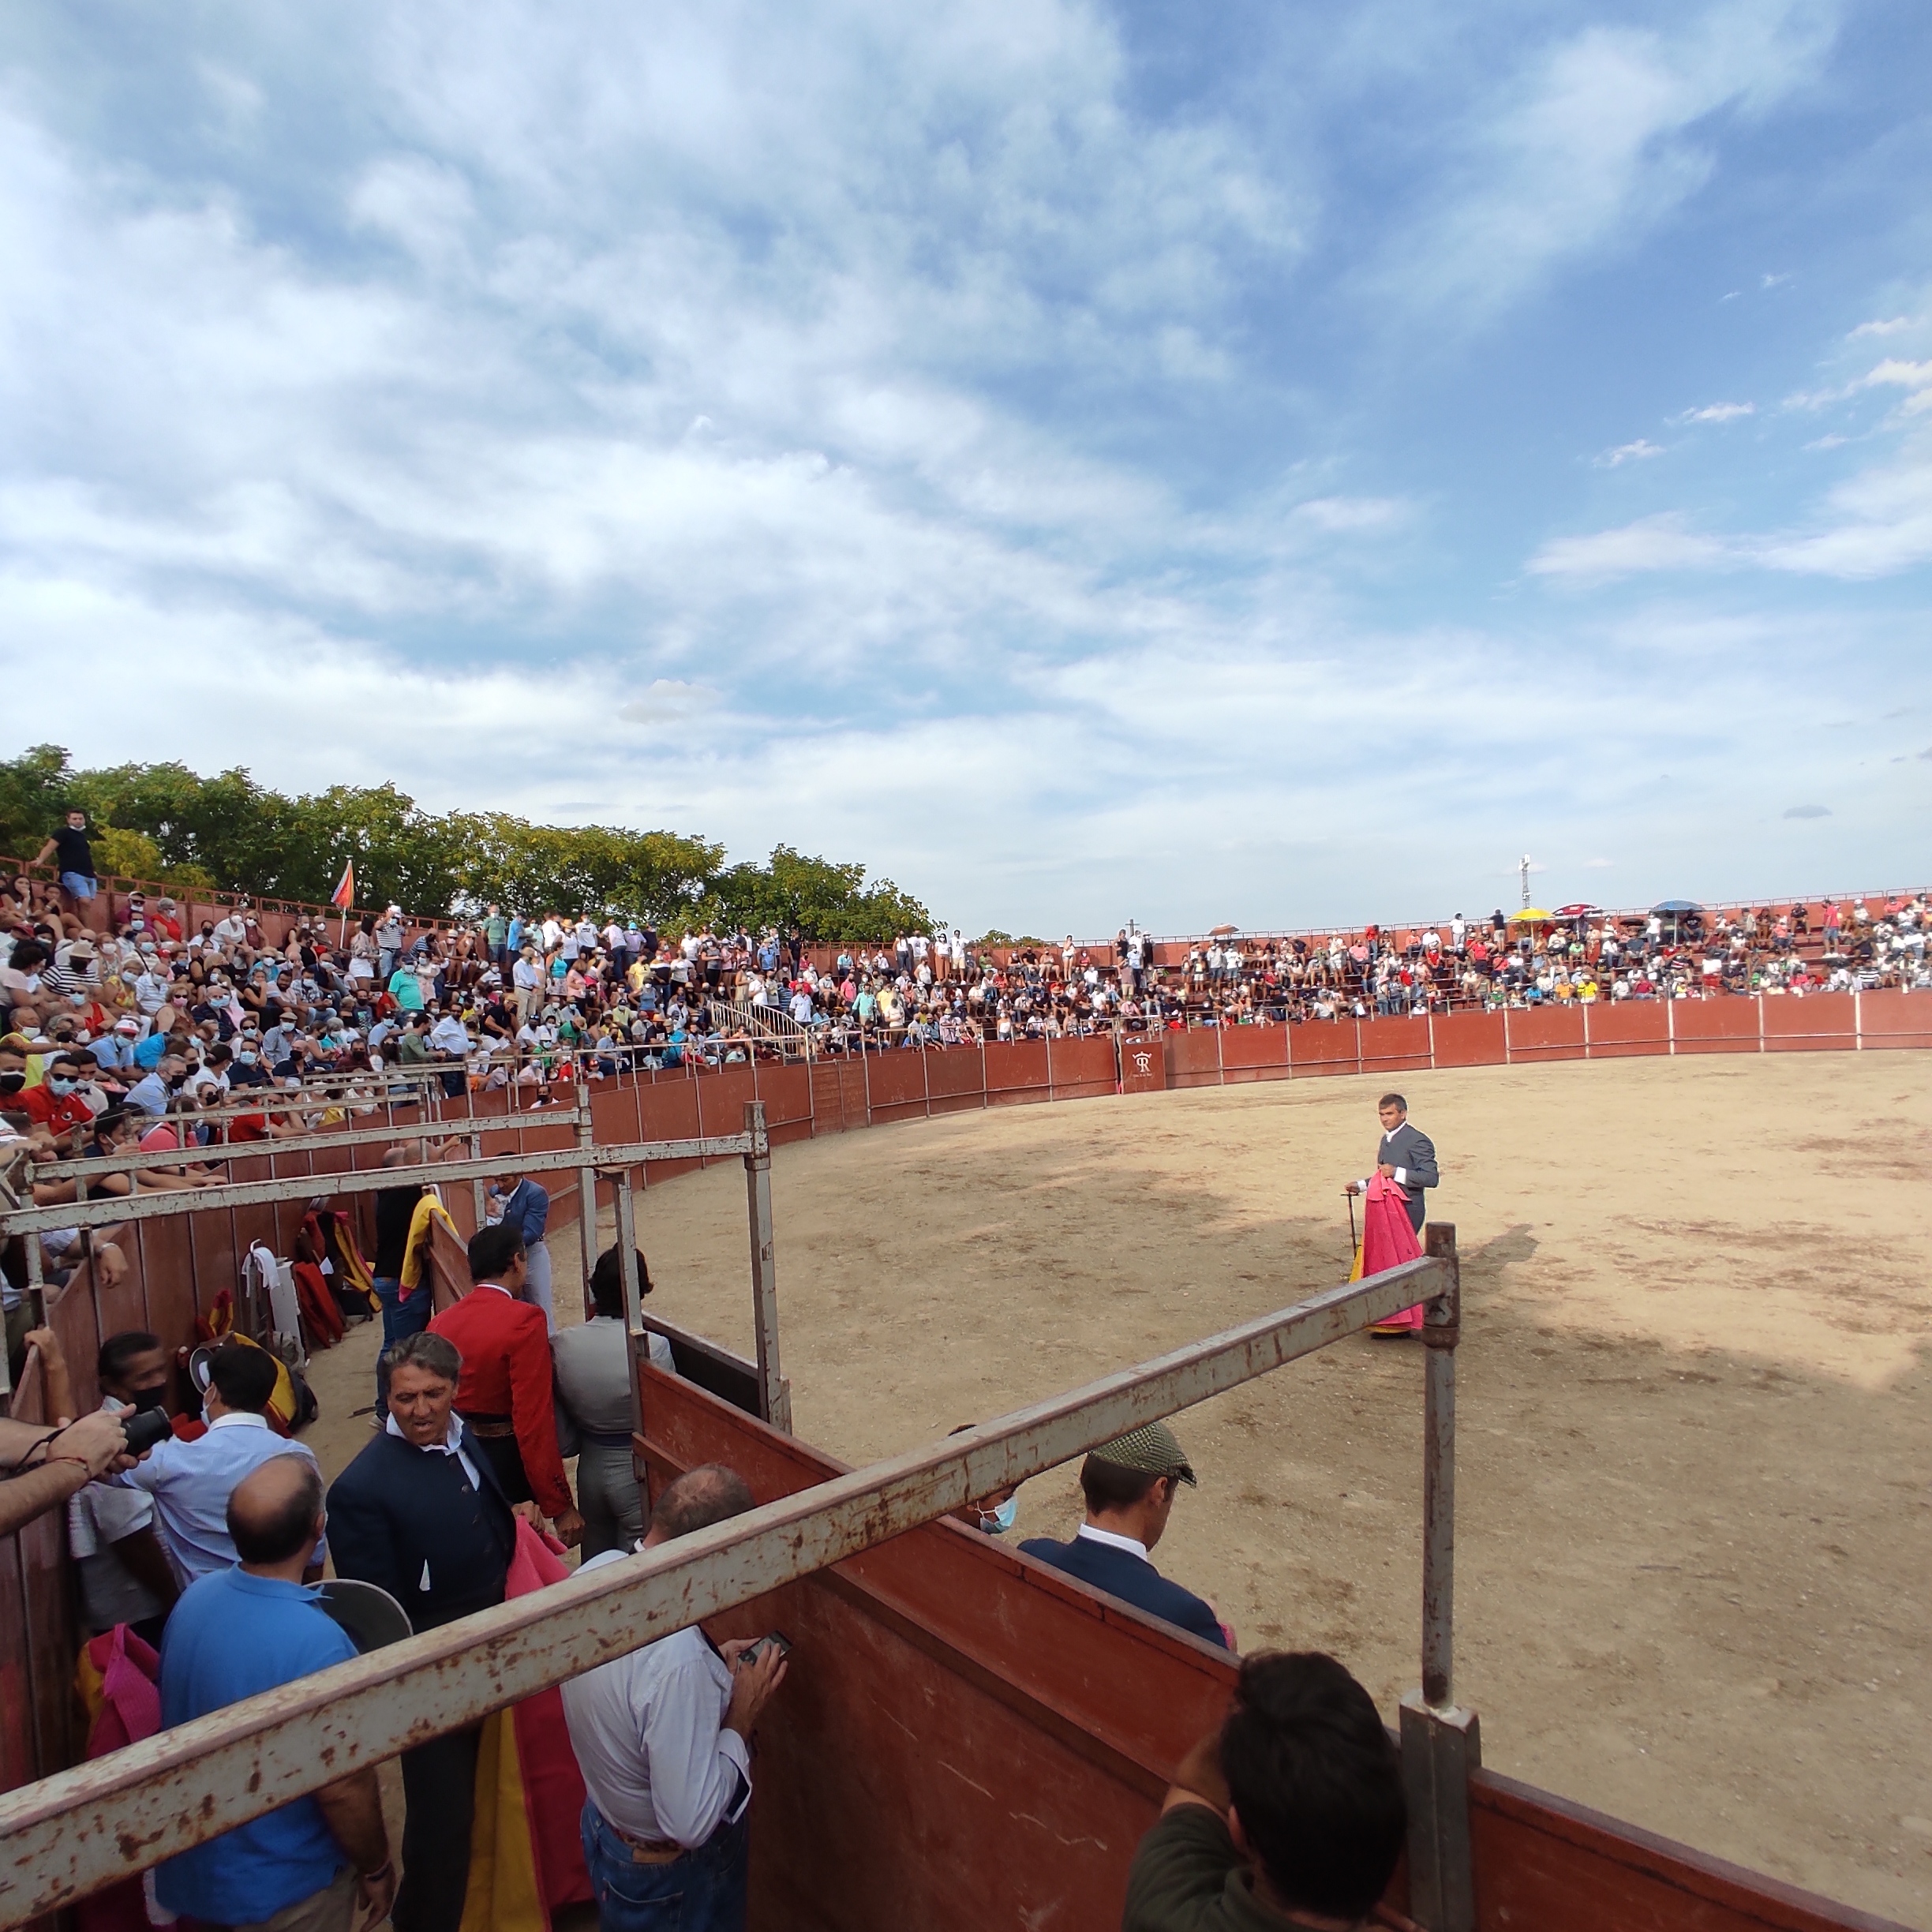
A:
<point x="60" y="1086"/>
<point x="150" y="1398"/>
<point x="998" y="1521"/>
<point x="245" y="1059"/>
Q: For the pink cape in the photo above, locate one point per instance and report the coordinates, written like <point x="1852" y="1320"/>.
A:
<point x="1387" y="1241"/>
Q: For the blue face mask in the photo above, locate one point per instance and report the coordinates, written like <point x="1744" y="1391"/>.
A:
<point x="997" y="1522"/>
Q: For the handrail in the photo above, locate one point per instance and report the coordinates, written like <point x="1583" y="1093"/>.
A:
<point x="119" y="1208"/>
<point x="80" y="1829"/>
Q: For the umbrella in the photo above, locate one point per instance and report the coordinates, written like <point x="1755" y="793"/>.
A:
<point x="1578" y="911"/>
<point x="1532" y="915"/>
<point x="1677" y="905"/>
<point x="1221" y="932"/>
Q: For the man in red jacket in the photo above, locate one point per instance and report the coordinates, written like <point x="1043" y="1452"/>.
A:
<point x="504" y="1395"/>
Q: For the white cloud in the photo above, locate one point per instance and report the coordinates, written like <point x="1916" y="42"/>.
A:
<point x="1592" y="142"/>
<point x="1657" y="543"/>
<point x="1343" y="514"/>
<point x="1895" y="326"/>
<point x="1639" y="451"/>
<point x="1717" y="413"/>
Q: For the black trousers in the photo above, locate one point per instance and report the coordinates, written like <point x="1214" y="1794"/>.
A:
<point x="439" y="1783"/>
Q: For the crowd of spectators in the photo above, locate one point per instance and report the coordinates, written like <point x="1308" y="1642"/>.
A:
<point x="112" y="1027"/>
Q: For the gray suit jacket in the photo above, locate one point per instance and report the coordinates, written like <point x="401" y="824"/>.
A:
<point x="1411" y="1151"/>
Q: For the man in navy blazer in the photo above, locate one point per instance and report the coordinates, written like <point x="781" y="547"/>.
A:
<point x="1130" y="1484"/>
<point x="1406" y="1156"/>
<point x="420" y="1511"/>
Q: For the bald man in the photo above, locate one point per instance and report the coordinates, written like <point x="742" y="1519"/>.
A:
<point x="317" y="1864"/>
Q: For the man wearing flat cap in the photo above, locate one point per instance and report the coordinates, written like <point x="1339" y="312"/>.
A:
<point x="1130" y="1484"/>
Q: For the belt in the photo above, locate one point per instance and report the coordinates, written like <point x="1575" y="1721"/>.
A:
<point x="648" y="1851"/>
<point x="489" y="1427"/>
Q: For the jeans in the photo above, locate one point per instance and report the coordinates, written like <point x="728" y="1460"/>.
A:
<point x="704" y="1891"/>
<point x="77" y="886"/>
<point x="400" y="1318"/>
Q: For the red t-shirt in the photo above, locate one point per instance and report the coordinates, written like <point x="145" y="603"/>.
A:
<point x="57" y="1112"/>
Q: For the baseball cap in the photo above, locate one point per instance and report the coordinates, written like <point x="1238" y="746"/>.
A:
<point x="1152" y="1449"/>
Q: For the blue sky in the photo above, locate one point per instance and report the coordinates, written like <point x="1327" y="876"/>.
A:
<point x="1275" y="463"/>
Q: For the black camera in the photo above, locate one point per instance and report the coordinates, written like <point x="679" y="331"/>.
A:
<point x="145" y="1427"/>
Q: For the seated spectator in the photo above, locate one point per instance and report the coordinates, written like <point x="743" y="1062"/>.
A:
<point x="1290" y="1814"/>
<point x="320" y="1863"/>
<point x="593" y="1366"/>
<point x="191" y="1482"/>
<point x="662" y="1739"/>
<point x="1130" y="1485"/>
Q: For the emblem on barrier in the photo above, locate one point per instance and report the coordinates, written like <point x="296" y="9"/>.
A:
<point x="1144" y="1064"/>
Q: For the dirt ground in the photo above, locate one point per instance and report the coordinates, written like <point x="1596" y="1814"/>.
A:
<point x="1695" y="1478"/>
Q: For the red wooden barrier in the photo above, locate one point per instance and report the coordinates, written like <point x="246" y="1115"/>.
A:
<point x="1323" y="1046"/>
<point x="1395" y="1046"/>
<point x="956" y="1080"/>
<point x="1545" y="1033"/>
<point x="1253" y="1053"/>
<point x="1144" y="1064"/>
<point x="1617" y="1030"/>
<point x="1194" y="1059"/>
<point x="1714" y="1026"/>
<point x="787" y="1093"/>
<point x="1466" y="1039"/>
<point x="895" y="1085"/>
<point x="1079" y="1069"/>
<point x="1894" y="1019"/>
<point x="1016" y="1073"/>
<point x="1816" y="1023"/>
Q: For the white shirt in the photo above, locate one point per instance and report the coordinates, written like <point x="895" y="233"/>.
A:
<point x="450" y="1035"/>
<point x="1115" y="1542"/>
<point x="452" y="1445"/>
<point x="648" y="1730"/>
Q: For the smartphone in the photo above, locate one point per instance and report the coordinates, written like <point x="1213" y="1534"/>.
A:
<point x="776" y="1641"/>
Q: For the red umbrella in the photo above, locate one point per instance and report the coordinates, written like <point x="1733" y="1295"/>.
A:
<point x="1578" y="911"/>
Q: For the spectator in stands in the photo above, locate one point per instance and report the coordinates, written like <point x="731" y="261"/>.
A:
<point x="192" y="1481"/>
<point x="662" y="1737"/>
<point x="317" y="1864"/>
<point x="125" y="1576"/>
<point x="420" y="1513"/>
<point x="74" y="856"/>
<point x="505" y="1396"/>
<point x="1291" y="1814"/>
<point x="1129" y="1485"/>
<point x="593" y="1366"/>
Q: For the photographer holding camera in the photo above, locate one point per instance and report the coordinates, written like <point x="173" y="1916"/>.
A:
<point x="41" y="1467"/>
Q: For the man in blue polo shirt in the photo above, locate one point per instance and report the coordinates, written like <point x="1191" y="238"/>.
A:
<point x="1129" y="1485"/>
<point x="318" y="1863"/>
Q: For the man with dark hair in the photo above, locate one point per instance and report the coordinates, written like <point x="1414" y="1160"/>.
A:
<point x="1129" y="1485"/>
<point x="662" y="1739"/>
<point x="592" y="1363"/>
<point x="419" y="1512"/>
<point x="125" y="1574"/>
<point x="504" y="1397"/>
<point x="70" y="851"/>
<point x="1406" y="1156"/>
<point x="1290" y="1814"/>
<point x="319" y="1863"/>
<point x="191" y="1482"/>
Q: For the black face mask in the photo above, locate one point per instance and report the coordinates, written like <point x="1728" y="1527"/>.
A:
<point x="155" y="1398"/>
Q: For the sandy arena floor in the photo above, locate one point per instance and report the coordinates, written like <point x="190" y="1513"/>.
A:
<point x="1694" y="1483"/>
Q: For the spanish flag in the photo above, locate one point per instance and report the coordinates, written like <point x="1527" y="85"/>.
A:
<point x="344" y="894"/>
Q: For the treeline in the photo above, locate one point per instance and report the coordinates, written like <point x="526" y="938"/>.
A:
<point x="229" y="833"/>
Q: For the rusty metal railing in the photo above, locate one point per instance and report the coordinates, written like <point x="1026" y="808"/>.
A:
<point x="73" y="1833"/>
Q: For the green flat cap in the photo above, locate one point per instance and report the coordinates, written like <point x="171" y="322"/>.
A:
<point x="1151" y="1449"/>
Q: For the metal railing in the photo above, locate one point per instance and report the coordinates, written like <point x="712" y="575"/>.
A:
<point x="71" y="1834"/>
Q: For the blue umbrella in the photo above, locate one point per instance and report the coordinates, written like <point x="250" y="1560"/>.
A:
<point x="1678" y="905"/>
